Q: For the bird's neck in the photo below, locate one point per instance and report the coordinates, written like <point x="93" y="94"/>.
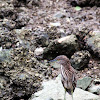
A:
<point x="66" y="66"/>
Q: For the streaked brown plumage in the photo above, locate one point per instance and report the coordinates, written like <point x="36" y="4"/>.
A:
<point x="67" y="73"/>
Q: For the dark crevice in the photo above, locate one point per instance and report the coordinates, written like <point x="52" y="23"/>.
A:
<point x="86" y="3"/>
<point x="25" y="97"/>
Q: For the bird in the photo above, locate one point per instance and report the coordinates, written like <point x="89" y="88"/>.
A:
<point x="68" y="74"/>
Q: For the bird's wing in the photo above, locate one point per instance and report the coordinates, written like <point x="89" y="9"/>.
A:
<point x="68" y="78"/>
<point x="63" y="73"/>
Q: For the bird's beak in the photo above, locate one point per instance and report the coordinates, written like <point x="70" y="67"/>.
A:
<point x="52" y="60"/>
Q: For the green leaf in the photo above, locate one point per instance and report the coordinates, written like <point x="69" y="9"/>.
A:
<point x="77" y="8"/>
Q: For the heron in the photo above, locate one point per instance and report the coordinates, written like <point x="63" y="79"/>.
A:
<point x="68" y="74"/>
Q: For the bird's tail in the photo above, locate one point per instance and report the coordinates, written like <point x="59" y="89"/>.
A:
<point x="70" y="92"/>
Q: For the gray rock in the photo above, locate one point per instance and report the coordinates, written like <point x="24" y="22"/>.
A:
<point x="80" y="59"/>
<point x="22" y="20"/>
<point x="24" y="82"/>
<point x="6" y="11"/>
<point x="66" y="45"/>
<point x="54" y="89"/>
<point x="25" y="73"/>
<point x="3" y="82"/>
<point x="93" y="43"/>
<point x="9" y="24"/>
<point x="59" y="15"/>
<point x="42" y="39"/>
<point x="84" y="83"/>
<point x="7" y="38"/>
<point x="24" y="37"/>
<point x="4" y="54"/>
<point x="29" y="3"/>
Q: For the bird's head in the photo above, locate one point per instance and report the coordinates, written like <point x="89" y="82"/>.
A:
<point x="62" y="59"/>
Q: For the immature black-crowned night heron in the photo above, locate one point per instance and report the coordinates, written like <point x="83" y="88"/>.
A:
<point x="68" y="74"/>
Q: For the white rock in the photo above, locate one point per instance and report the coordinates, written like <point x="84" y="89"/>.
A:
<point x="68" y="39"/>
<point x="55" y="24"/>
<point x="0" y="48"/>
<point x="38" y="51"/>
<point x="54" y="89"/>
<point x="95" y="89"/>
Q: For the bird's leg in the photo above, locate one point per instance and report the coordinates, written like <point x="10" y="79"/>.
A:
<point x="65" y="94"/>
<point x="72" y="94"/>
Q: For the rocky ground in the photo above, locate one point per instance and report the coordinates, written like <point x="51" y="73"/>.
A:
<point x="53" y="90"/>
<point x="32" y="32"/>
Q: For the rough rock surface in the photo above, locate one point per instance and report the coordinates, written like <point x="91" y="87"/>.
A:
<point x="29" y="3"/>
<point x="4" y="54"/>
<point x="84" y="83"/>
<point x="93" y="42"/>
<point x="25" y="74"/>
<point x="80" y="59"/>
<point x="66" y="45"/>
<point x="33" y="24"/>
<point x="54" y="89"/>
